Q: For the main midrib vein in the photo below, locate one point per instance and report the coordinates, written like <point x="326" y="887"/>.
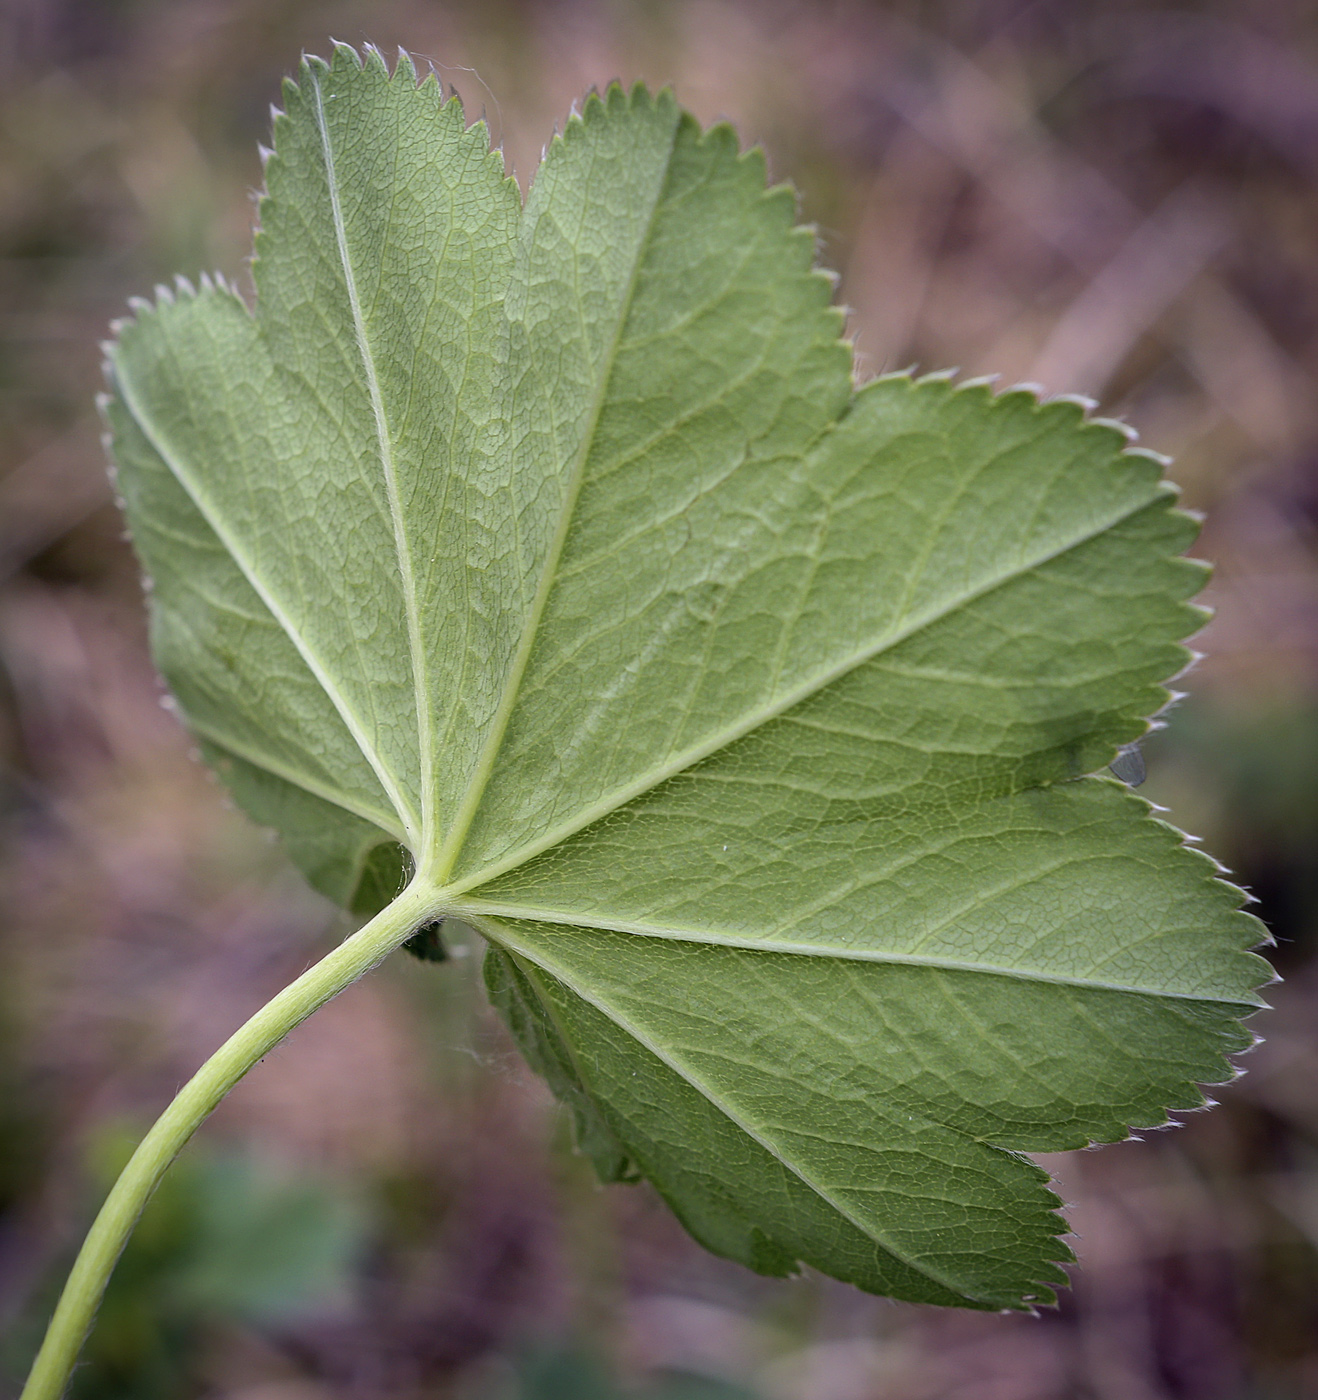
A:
<point x="384" y="443"/>
<point x="174" y="465"/>
<point x="475" y="910"/>
<point x="447" y="856"/>
<point x="751" y="721"/>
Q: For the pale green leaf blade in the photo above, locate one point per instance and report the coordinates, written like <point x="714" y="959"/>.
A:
<point x="862" y="1117"/>
<point x="876" y="810"/>
<point x="581" y="241"/>
<point x="713" y="1155"/>
<point x="244" y="682"/>
<point x="1072" y="884"/>
<point x="262" y="718"/>
<point x="680" y="360"/>
<point x="318" y="432"/>
<point x="388" y="233"/>
<point x="973" y="666"/>
<point x="745" y="714"/>
<point x="892" y="826"/>
<point x="778" y="579"/>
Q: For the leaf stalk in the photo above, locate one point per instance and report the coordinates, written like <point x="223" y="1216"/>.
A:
<point x="105" y="1242"/>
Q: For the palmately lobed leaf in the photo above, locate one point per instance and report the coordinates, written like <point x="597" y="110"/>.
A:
<point x="549" y="556"/>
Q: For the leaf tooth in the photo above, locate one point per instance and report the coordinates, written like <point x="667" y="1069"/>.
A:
<point x="638" y="99"/>
<point x="831" y="277"/>
<point x="1116" y="425"/>
<point x="1193" y="655"/>
<point x="1065" y="408"/>
<point x="1162" y="461"/>
<point x="1081" y="401"/>
<point x="291" y="91"/>
<point x="372" y="61"/>
<point x="752" y="159"/>
<point x="342" y="50"/>
<point x="984" y="388"/>
<point x="592" y="108"/>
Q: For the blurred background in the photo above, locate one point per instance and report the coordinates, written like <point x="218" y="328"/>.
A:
<point x="1113" y="199"/>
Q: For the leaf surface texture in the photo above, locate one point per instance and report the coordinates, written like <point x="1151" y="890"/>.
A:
<point x="549" y="553"/>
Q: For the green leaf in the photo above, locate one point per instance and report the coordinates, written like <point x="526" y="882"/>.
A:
<point x="549" y="557"/>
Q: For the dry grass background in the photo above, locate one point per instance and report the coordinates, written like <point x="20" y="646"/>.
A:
<point x="1114" y="199"/>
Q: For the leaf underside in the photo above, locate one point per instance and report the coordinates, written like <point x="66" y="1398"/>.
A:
<point x="550" y="554"/>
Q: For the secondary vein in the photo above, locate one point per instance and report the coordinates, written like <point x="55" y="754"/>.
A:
<point x="755" y="719"/>
<point x="336" y="797"/>
<point x="706" y="1091"/>
<point x="352" y="722"/>
<point x="384" y="444"/>
<point x="466" y="812"/>
<point x="477" y="909"/>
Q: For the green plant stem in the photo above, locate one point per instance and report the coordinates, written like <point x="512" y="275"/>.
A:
<point x="191" y="1106"/>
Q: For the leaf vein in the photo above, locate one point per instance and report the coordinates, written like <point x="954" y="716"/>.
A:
<point x="384" y="443"/>
<point x="465" y="907"/>
<point x="351" y="720"/>
<point x="800" y="693"/>
<point x="696" y="1081"/>
<point x="466" y="811"/>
